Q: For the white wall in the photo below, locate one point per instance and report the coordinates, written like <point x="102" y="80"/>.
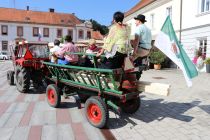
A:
<point x="158" y="8"/>
<point x="191" y="15"/>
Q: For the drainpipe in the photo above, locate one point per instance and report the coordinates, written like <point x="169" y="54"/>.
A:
<point x="180" y="30"/>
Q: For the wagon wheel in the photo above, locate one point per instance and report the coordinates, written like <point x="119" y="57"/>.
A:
<point x="96" y="112"/>
<point x="131" y="106"/>
<point x="10" y="77"/>
<point x="53" y="95"/>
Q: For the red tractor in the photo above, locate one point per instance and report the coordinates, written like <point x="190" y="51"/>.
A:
<point x="27" y="57"/>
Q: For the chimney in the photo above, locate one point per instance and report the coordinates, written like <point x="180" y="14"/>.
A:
<point x="51" y="10"/>
<point x="73" y="14"/>
<point x="27" y="8"/>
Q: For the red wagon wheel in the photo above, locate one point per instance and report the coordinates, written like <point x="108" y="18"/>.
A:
<point x="131" y="106"/>
<point x="96" y="112"/>
<point x="53" y="95"/>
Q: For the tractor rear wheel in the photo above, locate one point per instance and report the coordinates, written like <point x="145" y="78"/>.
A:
<point x="10" y="77"/>
<point x="22" y="79"/>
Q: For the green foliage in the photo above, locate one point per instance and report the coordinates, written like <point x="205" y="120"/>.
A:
<point x="207" y="61"/>
<point x="98" y="27"/>
<point x="62" y="40"/>
<point x="157" y="57"/>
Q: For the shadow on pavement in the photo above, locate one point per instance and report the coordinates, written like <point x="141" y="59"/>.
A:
<point x="205" y="108"/>
<point x="152" y="110"/>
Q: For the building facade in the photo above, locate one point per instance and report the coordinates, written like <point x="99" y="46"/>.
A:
<point x="196" y="26"/>
<point x="189" y="20"/>
<point x="17" y="25"/>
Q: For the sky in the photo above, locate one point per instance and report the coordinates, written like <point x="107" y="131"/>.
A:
<point x="99" y="10"/>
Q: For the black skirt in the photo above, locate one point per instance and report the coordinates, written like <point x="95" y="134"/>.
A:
<point x="115" y="62"/>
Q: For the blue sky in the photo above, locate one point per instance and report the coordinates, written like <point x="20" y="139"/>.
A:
<point x="99" y="10"/>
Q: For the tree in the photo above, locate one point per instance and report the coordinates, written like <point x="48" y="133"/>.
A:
<point x="98" y="27"/>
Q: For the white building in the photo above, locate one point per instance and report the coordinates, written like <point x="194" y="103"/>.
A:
<point x="45" y="26"/>
<point x="188" y="16"/>
<point x="196" y="26"/>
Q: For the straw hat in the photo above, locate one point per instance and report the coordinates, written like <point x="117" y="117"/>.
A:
<point x="92" y="41"/>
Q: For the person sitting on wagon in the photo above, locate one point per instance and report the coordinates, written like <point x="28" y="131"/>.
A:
<point x="92" y="48"/>
<point x="64" y="55"/>
<point x="115" y="45"/>
<point x="54" y="49"/>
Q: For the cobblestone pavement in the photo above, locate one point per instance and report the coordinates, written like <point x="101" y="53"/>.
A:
<point x="183" y="115"/>
<point x="28" y="116"/>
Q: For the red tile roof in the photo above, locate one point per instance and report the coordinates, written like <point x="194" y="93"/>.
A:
<point x="36" y="17"/>
<point x="138" y="6"/>
<point x="97" y="35"/>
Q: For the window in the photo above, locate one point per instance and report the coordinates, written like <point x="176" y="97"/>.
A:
<point x="19" y="31"/>
<point x="81" y="34"/>
<point x="152" y="21"/>
<point x="169" y="12"/>
<point x="70" y="32"/>
<point x="88" y="35"/>
<point x="35" y="31"/>
<point x="204" y="6"/>
<point x="4" y="45"/>
<point x="4" y="30"/>
<point x="46" y="32"/>
<point x="59" y="33"/>
<point x="202" y="46"/>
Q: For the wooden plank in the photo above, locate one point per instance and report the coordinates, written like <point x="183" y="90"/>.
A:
<point x="154" y="88"/>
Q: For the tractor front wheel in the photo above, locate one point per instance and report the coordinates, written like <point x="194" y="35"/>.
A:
<point x="22" y="79"/>
<point x="96" y="112"/>
<point x="53" y="96"/>
<point x="10" y="77"/>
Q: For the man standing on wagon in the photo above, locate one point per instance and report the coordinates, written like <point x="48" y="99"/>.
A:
<point x="142" y="41"/>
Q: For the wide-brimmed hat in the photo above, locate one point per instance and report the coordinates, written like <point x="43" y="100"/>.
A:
<point x="140" y="17"/>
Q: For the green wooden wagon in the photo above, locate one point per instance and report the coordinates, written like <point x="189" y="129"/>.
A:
<point x="100" y="89"/>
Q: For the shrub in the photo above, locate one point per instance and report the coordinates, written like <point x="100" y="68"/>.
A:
<point x="207" y="61"/>
<point x="157" y="57"/>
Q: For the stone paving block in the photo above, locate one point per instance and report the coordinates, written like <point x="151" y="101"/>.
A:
<point x="4" y="118"/>
<point x="28" y="98"/>
<point x="11" y="108"/>
<point x="49" y="118"/>
<point x="21" y="133"/>
<point x="65" y="132"/>
<point x="6" y="133"/>
<point x="14" y="120"/>
<point x="137" y="137"/>
<point x="92" y="132"/>
<point x="11" y="98"/>
<point x="76" y="115"/>
<point x="3" y="98"/>
<point x="37" y="118"/>
<point x="42" y="106"/>
<point x="21" y="107"/>
<point x="49" y="132"/>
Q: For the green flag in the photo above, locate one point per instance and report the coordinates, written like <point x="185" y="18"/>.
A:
<point x="168" y="43"/>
